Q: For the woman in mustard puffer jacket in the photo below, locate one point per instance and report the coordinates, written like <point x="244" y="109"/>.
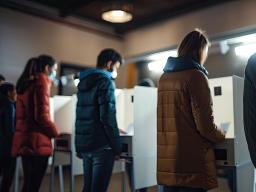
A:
<point x="186" y="131"/>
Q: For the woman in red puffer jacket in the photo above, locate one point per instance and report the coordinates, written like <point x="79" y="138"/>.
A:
<point x="34" y="128"/>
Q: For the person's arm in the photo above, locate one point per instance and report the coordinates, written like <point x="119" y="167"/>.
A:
<point x="9" y="120"/>
<point x="106" y="101"/>
<point x="201" y="104"/>
<point x="42" y="110"/>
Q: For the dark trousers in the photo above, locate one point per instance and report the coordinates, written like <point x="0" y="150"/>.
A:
<point x="7" y="170"/>
<point x="34" y="168"/>
<point x="181" y="189"/>
<point x="98" y="166"/>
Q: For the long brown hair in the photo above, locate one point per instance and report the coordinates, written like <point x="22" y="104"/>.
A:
<point x="193" y="44"/>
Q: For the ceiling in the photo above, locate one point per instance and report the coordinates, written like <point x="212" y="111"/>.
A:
<point x="145" y="12"/>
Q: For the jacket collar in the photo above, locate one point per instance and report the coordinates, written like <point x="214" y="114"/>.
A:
<point x="175" y="64"/>
<point x="89" y="72"/>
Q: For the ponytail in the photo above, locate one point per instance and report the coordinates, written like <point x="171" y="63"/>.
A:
<point x="27" y="76"/>
<point x="33" y="67"/>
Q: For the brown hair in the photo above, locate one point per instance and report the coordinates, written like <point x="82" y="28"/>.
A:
<point x="33" y="67"/>
<point x="193" y="44"/>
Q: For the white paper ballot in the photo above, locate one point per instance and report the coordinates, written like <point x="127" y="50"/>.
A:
<point x="225" y="126"/>
<point x="129" y="130"/>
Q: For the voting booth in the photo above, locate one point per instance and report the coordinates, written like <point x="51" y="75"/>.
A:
<point x="136" y="117"/>
<point x="63" y="109"/>
<point x="235" y="169"/>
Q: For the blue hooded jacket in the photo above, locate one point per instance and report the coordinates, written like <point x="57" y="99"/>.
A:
<point x="96" y="124"/>
<point x="176" y="64"/>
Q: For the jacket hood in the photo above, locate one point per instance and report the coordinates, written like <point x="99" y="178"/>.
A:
<point x="176" y="64"/>
<point x="90" y="77"/>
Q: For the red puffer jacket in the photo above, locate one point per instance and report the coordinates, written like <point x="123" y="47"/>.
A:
<point x="34" y="128"/>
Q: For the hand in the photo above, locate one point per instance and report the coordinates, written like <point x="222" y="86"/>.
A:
<point x="223" y="132"/>
<point x="122" y="131"/>
<point x="79" y="155"/>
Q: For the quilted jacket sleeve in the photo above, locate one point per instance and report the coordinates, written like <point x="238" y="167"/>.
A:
<point x="42" y="107"/>
<point x="9" y="120"/>
<point x="106" y="100"/>
<point x="201" y="104"/>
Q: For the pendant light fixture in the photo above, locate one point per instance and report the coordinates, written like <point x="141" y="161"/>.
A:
<point x="117" y="12"/>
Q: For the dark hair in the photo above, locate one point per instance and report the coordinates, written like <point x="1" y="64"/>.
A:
<point x="2" y="78"/>
<point x="193" y="44"/>
<point x="107" y="55"/>
<point x="43" y="61"/>
<point x="33" y="67"/>
<point x="146" y="83"/>
<point x="6" y="87"/>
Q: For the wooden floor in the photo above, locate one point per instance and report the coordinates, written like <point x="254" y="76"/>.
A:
<point x="115" y="184"/>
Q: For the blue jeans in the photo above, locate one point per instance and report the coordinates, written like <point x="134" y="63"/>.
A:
<point x="181" y="189"/>
<point x="98" y="166"/>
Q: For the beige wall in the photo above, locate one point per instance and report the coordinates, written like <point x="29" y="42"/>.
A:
<point x="214" y="20"/>
<point x="23" y="36"/>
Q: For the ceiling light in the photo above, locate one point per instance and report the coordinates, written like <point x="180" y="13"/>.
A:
<point x="163" y="55"/>
<point x="245" y="50"/>
<point x="158" y="60"/>
<point x="243" y="39"/>
<point x="117" y="12"/>
<point x="117" y="16"/>
<point x="157" y="66"/>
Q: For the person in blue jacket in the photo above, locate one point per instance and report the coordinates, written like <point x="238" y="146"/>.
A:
<point x="97" y="137"/>
<point x="7" y="128"/>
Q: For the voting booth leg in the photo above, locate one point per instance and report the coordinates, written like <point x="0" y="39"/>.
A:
<point x="17" y="175"/>
<point x="61" y="178"/>
<point x="52" y="179"/>
<point x="52" y="175"/>
<point x="72" y="175"/>
<point x="130" y="171"/>
<point x="123" y="181"/>
<point x="160" y="188"/>
<point x="133" y="177"/>
<point x="60" y="170"/>
<point x="254" y="180"/>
